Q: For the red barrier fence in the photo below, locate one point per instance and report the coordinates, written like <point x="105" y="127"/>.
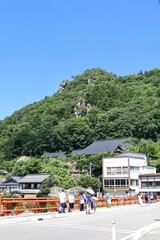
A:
<point x="15" y="206"/>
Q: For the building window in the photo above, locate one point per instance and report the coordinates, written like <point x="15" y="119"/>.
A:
<point x="134" y="182"/>
<point x="27" y="186"/>
<point x="113" y="183"/>
<point x="143" y="178"/>
<point x="124" y="182"/>
<point x="117" y="170"/>
<point x="36" y="185"/>
<point x="144" y="184"/>
<point x="118" y="182"/>
<point x="109" y="183"/>
<point x="134" y="169"/>
<point x="149" y="184"/>
<point x="108" y="170"/>
<point x="124" y="170"/>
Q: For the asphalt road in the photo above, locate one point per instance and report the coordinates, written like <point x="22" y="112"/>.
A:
<point x="78" y="225"/>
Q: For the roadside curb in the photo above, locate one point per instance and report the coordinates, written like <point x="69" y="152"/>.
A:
<point x="142" y="231"/>
<point x="29" y="217"/>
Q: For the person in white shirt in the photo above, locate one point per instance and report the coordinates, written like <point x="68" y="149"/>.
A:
<point x="63" y="201"/>
<point x="71" y="200"/>
<point x="81" y="200"/>
<point x="140" y="199"/>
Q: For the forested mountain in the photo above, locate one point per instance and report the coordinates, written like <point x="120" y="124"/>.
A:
<point x="92" y="106"/>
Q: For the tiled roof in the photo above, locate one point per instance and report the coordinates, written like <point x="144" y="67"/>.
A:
<point x="3" y="171"/>
<point x="16" y="178"/>
<point x="102" y="146"/>
<point x="34" y="178"/>
<point x="77" y="151"/>
<point x="12" y="179"/>
<point x="52" y="155"/>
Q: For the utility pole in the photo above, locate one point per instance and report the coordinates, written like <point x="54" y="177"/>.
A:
<point x="30" y="152"/>
<point x="90" y="168"/>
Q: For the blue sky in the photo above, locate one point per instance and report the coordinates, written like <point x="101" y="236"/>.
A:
<point x="43" y="42"/>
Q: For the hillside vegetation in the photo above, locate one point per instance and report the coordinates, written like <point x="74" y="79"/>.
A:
<point x="112" y="107"/>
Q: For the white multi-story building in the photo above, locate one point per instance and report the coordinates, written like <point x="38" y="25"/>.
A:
<point x="121" y="173"/>
<point x="150" y="182"/>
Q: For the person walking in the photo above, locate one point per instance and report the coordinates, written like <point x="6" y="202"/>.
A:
<point x="93" y="203"/>
<point x="88" y="201"/>
<point x="108" y="199"/>
<point x="140" y="199"/>
<point x="62" y="201"/>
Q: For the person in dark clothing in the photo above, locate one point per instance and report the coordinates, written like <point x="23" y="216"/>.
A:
<point x="88" y="202"/>
<point x="154" y="197"/>
<point x="146" y="197"/>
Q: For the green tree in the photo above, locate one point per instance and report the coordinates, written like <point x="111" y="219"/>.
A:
<point x="89" y="181"/>
<point x="22" y="168"/>
<point x="46" y="185"/>
<point x="60" y="172"/>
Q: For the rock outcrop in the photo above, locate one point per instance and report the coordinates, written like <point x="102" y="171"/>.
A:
<point x="62" y="86"/>
<point x="90" y="82"/>
<point x="81" y="108"/>
<point x="23" y="158"/>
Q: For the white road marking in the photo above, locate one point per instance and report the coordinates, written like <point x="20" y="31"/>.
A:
<point x="84" y="227"/>
<point x="155" y="233"/>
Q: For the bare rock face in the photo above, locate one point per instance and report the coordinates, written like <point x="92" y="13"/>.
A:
<point x="55" y="191"/>
<point x="81" y="103"/>
<point x="90" y="82"/>
<point x="23" y="158"/>
<point x="62" y="86"/>
<point x="88" y="107"/>
<point x="81" y="108"/>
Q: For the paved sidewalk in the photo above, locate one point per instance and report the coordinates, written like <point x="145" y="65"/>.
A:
<point x="26" y="217"/>
<point x="29" y="216"/>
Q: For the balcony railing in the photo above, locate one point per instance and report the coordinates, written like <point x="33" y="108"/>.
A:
<point x="116" y="186"/>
